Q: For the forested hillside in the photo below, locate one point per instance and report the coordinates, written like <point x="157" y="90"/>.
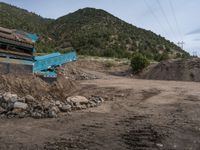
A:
<point x="91" y="32"/>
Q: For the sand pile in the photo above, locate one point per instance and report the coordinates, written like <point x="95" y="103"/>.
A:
<point x="180" y="70"/>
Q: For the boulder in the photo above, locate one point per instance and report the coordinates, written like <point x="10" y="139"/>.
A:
<point x="66" y="108"/>
<point x="29" y="98"/>
<point x="10" y="97"/>
<point x="78" y="100"/>
<point x="20" y="105"/>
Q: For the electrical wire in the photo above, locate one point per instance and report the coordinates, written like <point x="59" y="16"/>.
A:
<point x="155" y="17"/>
<point x="176" y="22"/>
<point x="165" y="16"/>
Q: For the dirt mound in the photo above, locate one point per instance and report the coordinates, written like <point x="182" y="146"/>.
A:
<point x="180" y="70"/>
<point x="74" y="71"/>
<point x="35" y="86"/>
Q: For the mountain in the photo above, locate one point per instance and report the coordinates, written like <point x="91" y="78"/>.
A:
<point x="90" y="31"/>
<point x="13" y="17"/>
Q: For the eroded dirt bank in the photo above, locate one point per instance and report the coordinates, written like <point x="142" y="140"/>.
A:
<point x="137" y="114"/>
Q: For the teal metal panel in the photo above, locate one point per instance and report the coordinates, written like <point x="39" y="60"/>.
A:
<point x="52" y="61"/>
<point x="38" y="58"/>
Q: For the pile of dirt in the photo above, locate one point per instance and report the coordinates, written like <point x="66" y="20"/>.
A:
<point x="180" y="70"/>
<point x="35" y="86"/>
<point x="30" y="96"/>
<point x="74" y="71"/>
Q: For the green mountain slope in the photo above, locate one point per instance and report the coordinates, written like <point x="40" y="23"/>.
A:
<point x="13" y="17"/>
<point x="90" y="31"/>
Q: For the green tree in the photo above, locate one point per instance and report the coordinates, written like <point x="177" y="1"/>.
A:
<point x="139" y="62"/>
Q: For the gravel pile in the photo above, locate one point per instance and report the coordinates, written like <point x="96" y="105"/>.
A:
<point x="11" y="105"/>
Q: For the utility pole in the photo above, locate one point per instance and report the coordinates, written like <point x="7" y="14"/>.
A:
<point x="181" y="44"/>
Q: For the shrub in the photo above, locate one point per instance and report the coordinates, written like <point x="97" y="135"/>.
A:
<point x="164" y="56"/>
<point x="139" y="62"/>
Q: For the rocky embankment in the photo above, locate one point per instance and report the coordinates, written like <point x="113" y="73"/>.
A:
<point x="11" y="105"/>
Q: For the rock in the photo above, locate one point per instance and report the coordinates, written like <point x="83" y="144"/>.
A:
<point x="1" y="109"/>
<point x="58" y="103"/>
<point x="7" y="96"/>
<point x="96" y="99"/>
<point x="23" y="115"/>
<point x="36" y="115"/>
<point x="92" y="104"/>
<point x="46" y="104"/>
<point x="56" y="109"/>
<point x="10" y="97"/>
<point x="29" y="98"/>
<point x="159" y="145"/>
<point x="17" y="111"/>
<point x="83" y="107"/>
<point x="1" y="96"/>
<point x="52" y="114"/>
<point x="66" y="108"/>
<point x="20" y="105"/>
<point x="22" y="100"/>
<point x="7" y="105"/>
<point x="79" y="100"/>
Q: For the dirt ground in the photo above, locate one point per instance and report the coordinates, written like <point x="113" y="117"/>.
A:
<point x="137" y="115"/>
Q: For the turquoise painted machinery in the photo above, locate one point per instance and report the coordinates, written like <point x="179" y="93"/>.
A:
<point x="18" y="47"/>
<point x="46" y="65"/>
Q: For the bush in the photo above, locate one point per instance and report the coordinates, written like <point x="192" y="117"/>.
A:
<point x="139" y="62"/>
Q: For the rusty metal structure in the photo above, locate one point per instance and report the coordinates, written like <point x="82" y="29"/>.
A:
<point x="18" y="55"/>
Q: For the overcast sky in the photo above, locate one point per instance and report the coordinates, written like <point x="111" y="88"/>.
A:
<point x="176" y="20"/>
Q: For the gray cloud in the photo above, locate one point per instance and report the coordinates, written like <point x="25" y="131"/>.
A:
<point x="196" y="40"/>
<point x="197" y="31"/>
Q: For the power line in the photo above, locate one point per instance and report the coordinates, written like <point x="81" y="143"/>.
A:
<point x="165" y="16"/>
<point x="155" y="17"/>
<point x="176" y="22"/>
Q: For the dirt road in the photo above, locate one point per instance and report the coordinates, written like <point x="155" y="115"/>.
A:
<point x="137" y="114"/>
